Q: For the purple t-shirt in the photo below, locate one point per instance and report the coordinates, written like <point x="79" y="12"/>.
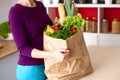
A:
<point x="27" y="25"/>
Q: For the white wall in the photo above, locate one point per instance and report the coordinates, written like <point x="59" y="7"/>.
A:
<point x="4" y="9"/>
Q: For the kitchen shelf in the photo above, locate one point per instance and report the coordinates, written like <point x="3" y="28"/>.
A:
<point x="88" y="5"/>
<point x="100" y="11"/>
<point x="98" y="5"/>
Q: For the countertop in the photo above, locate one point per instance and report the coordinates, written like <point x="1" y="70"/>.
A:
<point x="8" y="48"/>
<point x="106" y="63"/>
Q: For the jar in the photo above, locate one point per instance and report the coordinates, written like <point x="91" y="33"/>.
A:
<point x="55" y="1"/>
<point x="79" y="1"/>
<point x="93" y="25"/>
<point x="61" y="1"/>
<point x="47" y="2"/>
<point x="87" y="24"/>
<point x="94" y="1"/>
<point x="101" y="1"/>
<point x="115" y="26"/>
<point x="105" y="26"/>
<point x="56" y="21"/>
<point x="108" y="1"/>
<point x="117" y="1"/>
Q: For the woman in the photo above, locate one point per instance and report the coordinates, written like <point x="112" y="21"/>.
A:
<point x="27" y="19"/>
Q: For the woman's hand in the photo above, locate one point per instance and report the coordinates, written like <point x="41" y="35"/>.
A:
<point x="60" y="54"/>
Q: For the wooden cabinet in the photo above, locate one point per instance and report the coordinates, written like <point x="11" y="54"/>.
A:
<point x="100" y="12"/>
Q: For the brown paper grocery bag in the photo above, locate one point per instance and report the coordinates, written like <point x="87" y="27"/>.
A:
<point x="77" y="66"/>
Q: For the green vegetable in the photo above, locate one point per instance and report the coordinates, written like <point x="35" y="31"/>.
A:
<point x="61" y="34"/>
<point x="4" y="29"/>
<point x="66" y="30"/>
<point x="74" y="21"/>
<point x="69" y="8"/>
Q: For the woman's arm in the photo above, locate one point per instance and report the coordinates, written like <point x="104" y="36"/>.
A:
<point x="19" y="32"/>
<point x="60" y="54"/>
<point x="20" y="38"/>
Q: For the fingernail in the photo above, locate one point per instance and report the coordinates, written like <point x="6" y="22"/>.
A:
<point x="67" y="50"/>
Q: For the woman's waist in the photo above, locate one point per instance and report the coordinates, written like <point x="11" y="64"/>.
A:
<point x="24" y="60"/>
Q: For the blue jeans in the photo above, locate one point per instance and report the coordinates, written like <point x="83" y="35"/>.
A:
<point x="30" y="72"/>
